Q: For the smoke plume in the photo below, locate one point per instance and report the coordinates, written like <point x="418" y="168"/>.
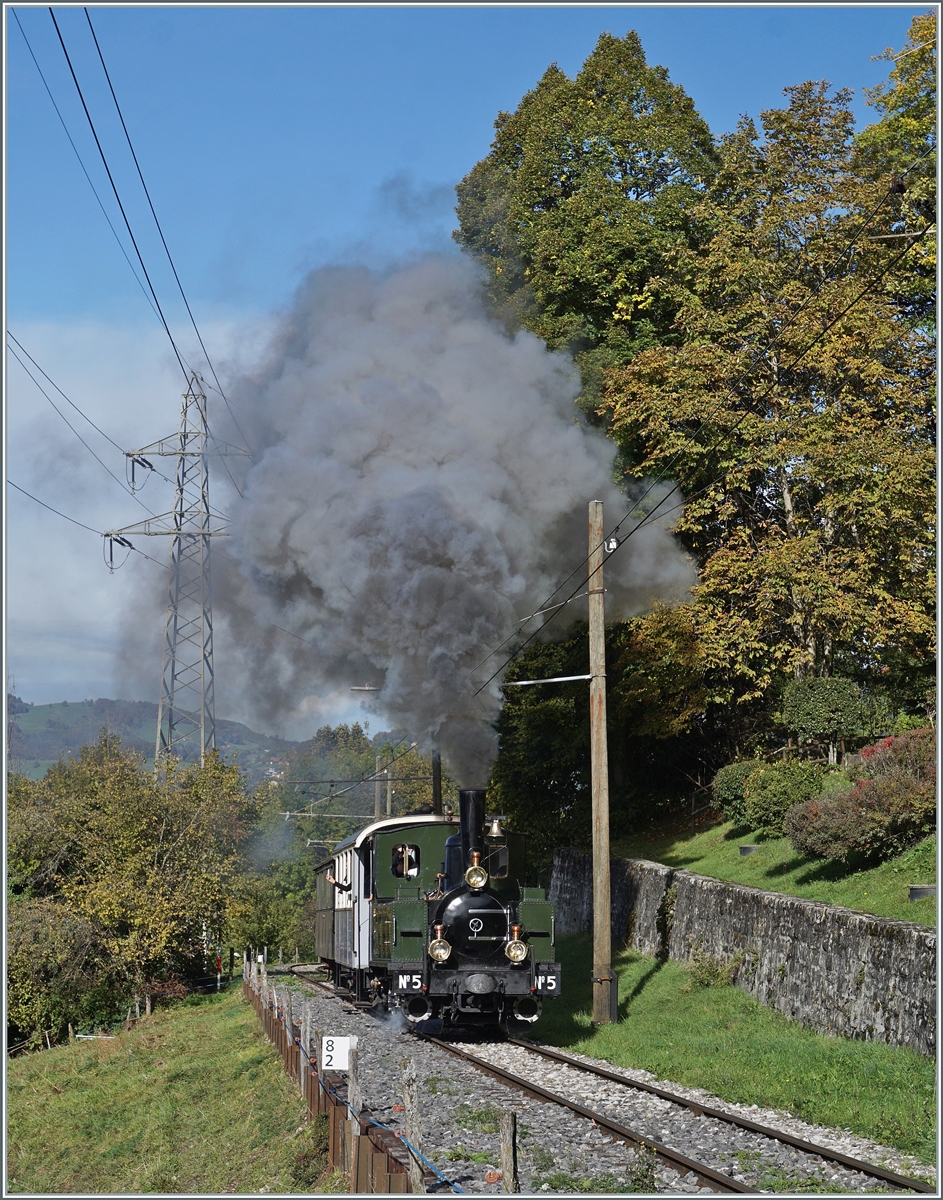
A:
<point x="419" y="485"/>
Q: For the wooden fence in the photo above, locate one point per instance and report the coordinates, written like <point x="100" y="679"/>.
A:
<point x="373" y="1157"/>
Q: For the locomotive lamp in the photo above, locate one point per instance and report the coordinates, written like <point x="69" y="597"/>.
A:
<point x="476" y="876"/>
<point x="516" y="950"/>
<point x="439" y="948"/>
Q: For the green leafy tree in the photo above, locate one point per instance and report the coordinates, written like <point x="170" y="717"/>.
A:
<point x="588" y="185"/>
<point x="819" y="708"/>
<point x="771" y="790"/>
<point x="59" y="970"/>
<point x="657" y="736"/>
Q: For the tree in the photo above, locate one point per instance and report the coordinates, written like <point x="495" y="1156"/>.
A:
<point x="903" y="142"/>
<point x="143" y="868"/>
<point x="588" y="185"/>
<point x="822" y="708"/>
<point x="659" y="743"/>
<point x="794" y="414"/>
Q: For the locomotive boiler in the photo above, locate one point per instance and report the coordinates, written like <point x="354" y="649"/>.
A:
<point x="431" y="915"/>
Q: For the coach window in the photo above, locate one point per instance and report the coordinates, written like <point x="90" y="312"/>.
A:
<point x="405" y="862"/>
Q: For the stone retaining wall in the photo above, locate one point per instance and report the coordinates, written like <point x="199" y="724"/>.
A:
<point x="834" y="969"/>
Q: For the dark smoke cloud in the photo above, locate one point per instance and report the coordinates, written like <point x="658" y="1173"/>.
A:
<point x="420" y="484"/>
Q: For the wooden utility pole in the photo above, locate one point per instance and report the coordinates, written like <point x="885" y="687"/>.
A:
<point x="377" y="794"/>
<point x="604" y="991"/>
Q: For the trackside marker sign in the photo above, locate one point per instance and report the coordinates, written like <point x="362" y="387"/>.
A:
<point x="335" y="1052"/>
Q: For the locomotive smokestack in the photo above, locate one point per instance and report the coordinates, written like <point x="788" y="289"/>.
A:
<point x="437" y="782"/>
<point x="471" y="811"/>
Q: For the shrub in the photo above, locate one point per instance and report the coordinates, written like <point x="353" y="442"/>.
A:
<point x="727" y="788"/>
<point x="885" y="811"/>
<point x="770" y="792"/>
<point x="822" y="708"/>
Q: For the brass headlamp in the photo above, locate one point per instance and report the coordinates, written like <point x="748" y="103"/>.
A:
<point x="476" y="876"/>
<point x="439" y="948"/>
<point x="515" y="949"/>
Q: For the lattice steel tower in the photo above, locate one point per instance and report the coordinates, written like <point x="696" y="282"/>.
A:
<point x="186" y="713"/>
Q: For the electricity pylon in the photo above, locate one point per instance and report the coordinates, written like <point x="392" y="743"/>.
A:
<point x="186" y="713"/>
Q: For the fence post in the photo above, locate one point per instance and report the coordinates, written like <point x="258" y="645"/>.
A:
<point x="412" y="1122"/>
<point x="509" y="1150"/>
<point x="318" y="1040"/>
<point x="353" y="1113"/>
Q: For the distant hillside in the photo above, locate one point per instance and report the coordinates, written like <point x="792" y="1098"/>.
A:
<point x="40" y="733"/>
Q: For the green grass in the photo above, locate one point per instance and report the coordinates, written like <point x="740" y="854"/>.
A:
<point x="776" y="867"/>
<point x="722" y="1040"/>
<point x="191" y="1100"/>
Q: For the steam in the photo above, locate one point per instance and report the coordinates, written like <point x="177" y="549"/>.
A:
<point x="420" y="484"/>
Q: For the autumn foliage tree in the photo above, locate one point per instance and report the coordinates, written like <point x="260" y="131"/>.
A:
<point x="119" y="879"/>
<point x="796" y="414"/>
<point x="753" y="317"/>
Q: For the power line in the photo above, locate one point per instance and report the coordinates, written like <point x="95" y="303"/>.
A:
<point x="53" y="510"/>
<point x="160" y="230"/>
<point x="114" y="188"/>
<point x="717" y="479"/>
<point x="82" y="165"/>
<point x="74" y="430"/>
<point x="22" y="348"/>
<point x="183" y="366"/>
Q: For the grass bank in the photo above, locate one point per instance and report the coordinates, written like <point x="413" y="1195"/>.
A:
<point x="776" y="867"/>
<point x="191" y="1100"/>
<point x="720" y="1039"/>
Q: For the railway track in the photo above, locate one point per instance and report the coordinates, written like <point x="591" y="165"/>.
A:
<point x="717" y="1180"/>
<point x="736" y="1162"/>
<point x="824" y="1152"/>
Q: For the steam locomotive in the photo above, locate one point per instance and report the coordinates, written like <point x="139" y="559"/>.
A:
<point x="431" y="916"/>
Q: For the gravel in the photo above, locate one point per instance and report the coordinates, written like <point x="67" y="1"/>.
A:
<point x="560" y="1152"/>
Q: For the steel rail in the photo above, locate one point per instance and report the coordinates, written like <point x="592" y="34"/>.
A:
<point x="699" y="1109"/>
<point x="705" y="1175"/>
<point x="677" y="1161"/>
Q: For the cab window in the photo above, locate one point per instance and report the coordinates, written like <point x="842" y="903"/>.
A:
<point x="405" y="864"/>
<point x="497" y="862"/>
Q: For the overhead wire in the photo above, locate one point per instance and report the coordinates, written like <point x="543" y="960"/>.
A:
<point x="649" y="516"/>
<point x="114" y="188"/>
<point x="52" y="383"/>
<point x="184" y="367"/>
<point x="82" y="165"/>
<point x="64" y="516"/>
<point x="103" y="464"/>
<point x="160" y="230"/>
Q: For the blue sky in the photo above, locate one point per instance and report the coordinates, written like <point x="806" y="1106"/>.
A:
<point x="273" y="140"/>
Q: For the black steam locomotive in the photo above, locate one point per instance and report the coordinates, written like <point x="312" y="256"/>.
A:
<point x="431" y="915"/>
